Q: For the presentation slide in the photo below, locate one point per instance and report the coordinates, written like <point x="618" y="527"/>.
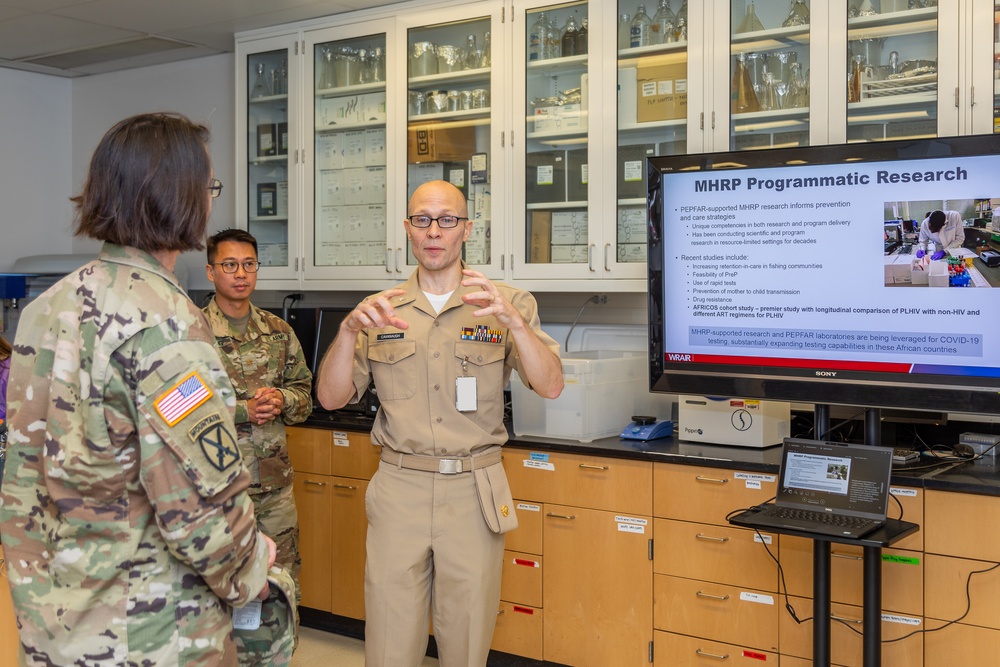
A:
<point x="785" y="266"/>
<point x="809" y="472"/>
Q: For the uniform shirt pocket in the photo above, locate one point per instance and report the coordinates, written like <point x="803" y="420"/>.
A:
<point x="394" y="369"/>
<point x="484" y="361"/>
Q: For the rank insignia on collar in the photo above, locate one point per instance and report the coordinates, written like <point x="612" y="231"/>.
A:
<point x="483" y="334"/>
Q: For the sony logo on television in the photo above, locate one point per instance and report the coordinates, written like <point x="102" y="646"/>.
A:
<point x="826" y="374"/>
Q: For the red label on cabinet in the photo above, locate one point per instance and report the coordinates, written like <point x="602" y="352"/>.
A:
<point x="524" y="610"/>
<point x="754" y="655"/>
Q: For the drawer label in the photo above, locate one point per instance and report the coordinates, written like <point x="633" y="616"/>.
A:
<point x="538" y="456"/>
<point x="896" y="618"/>
<point x="757" y="477"/>
<point x="341" y="442"/>
<point x="767" y="539"/>
<point x="525" y="562"/>
<point x="897" y="491"/>
<point x="896" y="558"/>
<point x="631" y="528"/>
<point x="529" y="508"/>
<point x="340" y="434"/>
<point x="756" y="655"/>
<point x="753" y="484"/>
<point x="756" y="597"/>
<point x="538" y="465"/>
<point x="524" y="610"/>
<point x="630" y="519"/>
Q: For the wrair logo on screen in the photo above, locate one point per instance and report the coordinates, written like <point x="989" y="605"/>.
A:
<point x="678" y="357"/>
<point x="826" y="374"/>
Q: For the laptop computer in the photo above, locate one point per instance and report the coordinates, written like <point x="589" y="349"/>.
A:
<point x="828" y="488"/>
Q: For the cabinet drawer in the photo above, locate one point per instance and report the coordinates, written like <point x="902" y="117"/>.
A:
<point x="518" y="630"/>
<point x="349" y="525"/>
<point x="708" y="553"/>
<point x="313" y="495"/>
<point x="309" y="449"/>
<point x="902" y="574"/>
<point x="8" y="626"/>
<point x="846" y="647"/>
<point x="594" y="482"/>
<point x="722" y="613"/>
<point x="953" y="525"/>
<point x="527" y="537"/>
<point x="672" y="650"/>
<point x="789" y="661"/>
<point x="912" y="502"/>
<point x="353" y="455"/>
<point x="944" y="591"/>
<point x="522" y="578"/>
<point x="706" y="495"/>
<point x="960" y="644"/>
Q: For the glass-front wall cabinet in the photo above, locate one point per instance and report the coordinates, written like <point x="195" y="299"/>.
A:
<point x="770" y="74"/>
<point x="449" y="98"/>
<point x="267" y="137"/>
<point x="996" y="67"/>
<point x="891" y="72"/>
<point x="350" y="153"/>
<point x="652" y="46"/>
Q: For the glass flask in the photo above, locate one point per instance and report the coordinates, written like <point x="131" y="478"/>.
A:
<point x="641" y="29"/>
<point x="744" y="97"/>
<point x="798" y="93"/>
<point x="568" y="38"/>
<point x="750" y="21"/>
<point x="536" y="37"/>
<point x="261" y="88"/>
<point x="797" y="15"/>
<point x="664" y="22"/>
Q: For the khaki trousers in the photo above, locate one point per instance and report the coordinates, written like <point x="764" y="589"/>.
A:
<point x="429" y="552"/>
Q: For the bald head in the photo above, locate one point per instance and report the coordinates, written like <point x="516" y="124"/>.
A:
<point x="438" y="193"/>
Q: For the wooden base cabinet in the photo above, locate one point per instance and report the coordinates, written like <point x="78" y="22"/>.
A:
<point x="8" y="626"/>
<point x="680" y="651"/>
<point x="332" y="470"/>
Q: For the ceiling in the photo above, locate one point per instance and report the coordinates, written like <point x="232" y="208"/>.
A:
<point x="74" y="38"/>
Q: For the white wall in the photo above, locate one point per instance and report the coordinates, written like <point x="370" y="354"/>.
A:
<point x="202" y="89"/>
<point x="35" y="133"/>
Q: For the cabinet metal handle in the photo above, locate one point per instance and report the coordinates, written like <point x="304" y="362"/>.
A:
<point x="309" y="481"/>
<point x="856" y="621"/>
<point x="709" y="538"/>
<point x="587" y="466"/>
<point x="846" y="556"/>
<point x="500" y="612"/>
<point x="714" y="480"/>
<point x="590" y="257"/>
<point x="344" y="486"/>
<point x="399" y="252"/>
<point x="607" y="247"/>
<point x="712" y="597"/>
<point x="561" y="516"/>
<point x="388" y="259"/>
<point x="706" y="654"/>
<point x="956" y="97"/>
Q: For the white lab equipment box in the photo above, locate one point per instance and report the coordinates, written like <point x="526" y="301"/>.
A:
<point x="598" y="399"/>
<point x="733" y="421"/>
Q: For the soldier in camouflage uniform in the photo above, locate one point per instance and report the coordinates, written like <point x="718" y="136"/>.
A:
<point x="272" y="382"/>
<point x="124" y="512"/>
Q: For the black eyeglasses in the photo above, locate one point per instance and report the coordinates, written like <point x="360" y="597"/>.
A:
<point x="214" y="190"/>
<point x="444" y="222"/>
<point x="250" y="266"/>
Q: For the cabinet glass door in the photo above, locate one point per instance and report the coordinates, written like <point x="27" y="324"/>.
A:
<point x="891" y="72"/>
<point x="652" y="47"/>
<point x="267" y="141"/>
<point x="769" y="74"/>
<point x="349" y="188"/>
<point x="450" y="77"/>
<point x="996" y="67"/>
<point x="556" y="152"/>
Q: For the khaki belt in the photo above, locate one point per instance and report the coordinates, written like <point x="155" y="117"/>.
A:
<point x="442" y="464"/>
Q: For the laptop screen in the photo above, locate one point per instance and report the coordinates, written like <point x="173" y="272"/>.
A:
<point x="836" y="477"/>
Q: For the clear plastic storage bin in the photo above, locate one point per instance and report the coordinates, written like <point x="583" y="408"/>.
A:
<point x="602" y="388"/>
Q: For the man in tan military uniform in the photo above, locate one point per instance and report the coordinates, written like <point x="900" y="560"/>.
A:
<point x="126" y="524"/>
<point x="440" y="349"/>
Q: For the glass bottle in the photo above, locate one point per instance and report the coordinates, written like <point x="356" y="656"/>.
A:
<point x="624" y="30"/>
<point x="378" y="64"/>
<point x="682" y="13"/>
<point x="641" y="29"/>
<point x="854" y="87"/>
<point x="663" y="23"/>
<point x="260" y="85"/>
<point x="568" y="39"/>
<point x="743" y="96"/>
<point x="681" y="31"/>
<point x="536" y="37"/>
<point x="553" y="39"/>
<point x="581" y="38"/>
<point x="487" y="58"/>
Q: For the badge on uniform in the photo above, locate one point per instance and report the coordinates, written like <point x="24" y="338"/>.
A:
<point x="182" y="399"/>
<point x="483" y="334"/>
<point x="216" y="442"/>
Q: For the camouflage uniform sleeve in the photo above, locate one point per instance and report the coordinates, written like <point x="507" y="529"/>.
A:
<point x="192" y="470"/>
<point x="297" y="386"/>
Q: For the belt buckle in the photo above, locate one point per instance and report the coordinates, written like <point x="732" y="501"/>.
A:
<point x="449" y="466"/>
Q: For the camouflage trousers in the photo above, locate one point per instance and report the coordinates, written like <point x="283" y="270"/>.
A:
<point x="269" y="645"/>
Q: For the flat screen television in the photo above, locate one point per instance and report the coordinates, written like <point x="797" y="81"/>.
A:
<point x="767" y="277"/>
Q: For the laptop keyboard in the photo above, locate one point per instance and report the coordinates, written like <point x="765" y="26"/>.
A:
<point x="850" y="522"/>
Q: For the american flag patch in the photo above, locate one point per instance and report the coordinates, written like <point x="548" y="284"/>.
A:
<point x="182" y="399"/>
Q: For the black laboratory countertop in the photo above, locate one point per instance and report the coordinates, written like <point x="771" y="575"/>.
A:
<point x="980" y="477"/>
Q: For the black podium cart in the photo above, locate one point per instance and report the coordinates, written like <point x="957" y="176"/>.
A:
<point x="893" y="531"/>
